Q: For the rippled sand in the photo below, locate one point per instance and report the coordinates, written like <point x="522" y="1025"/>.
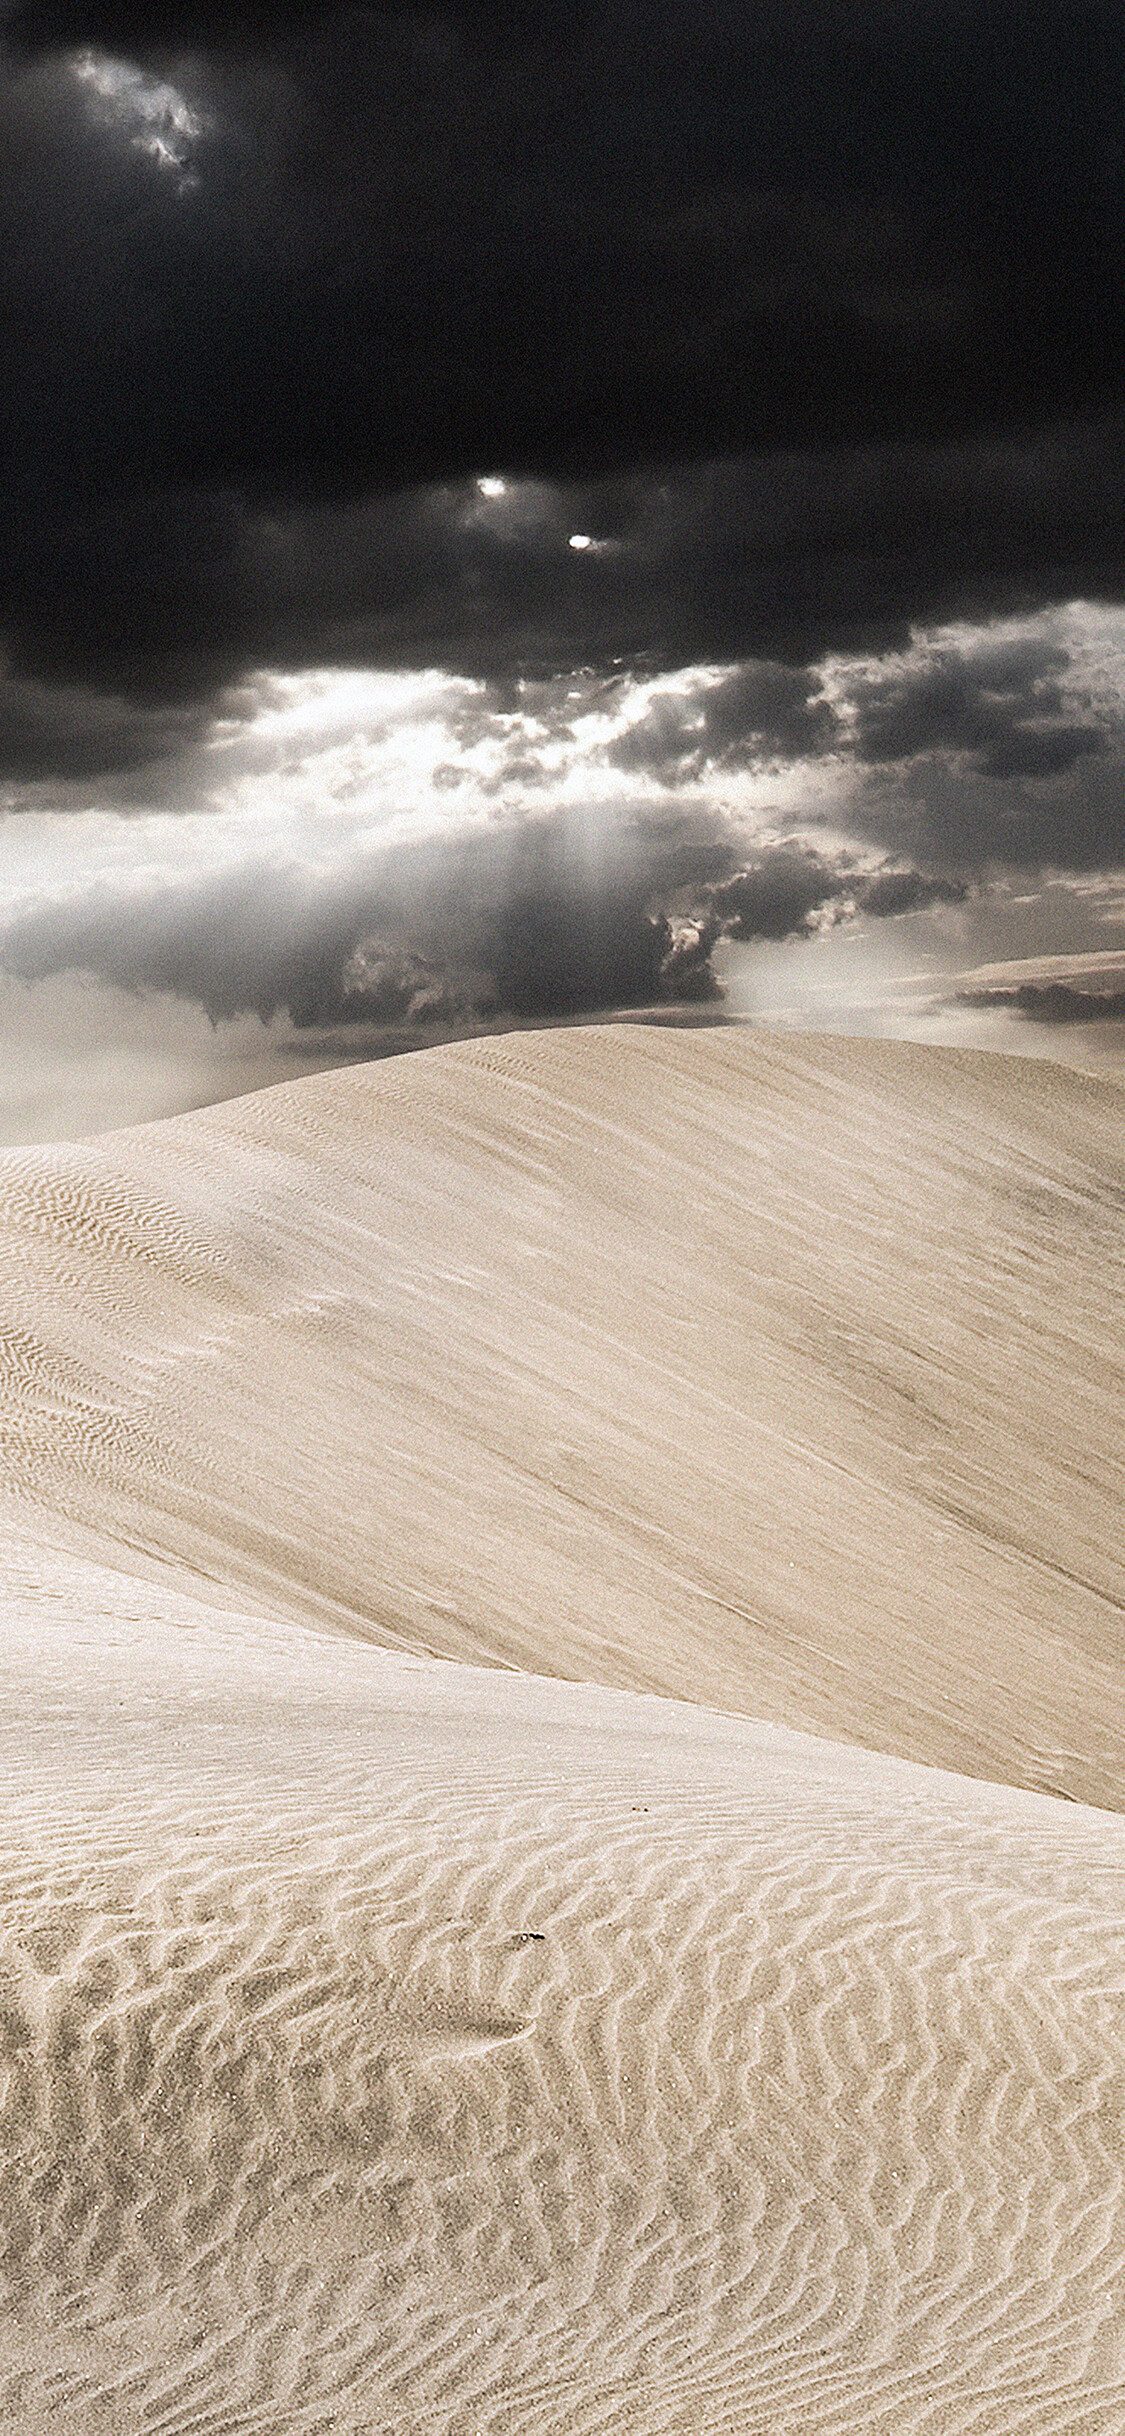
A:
<point x="410" y="2047"/>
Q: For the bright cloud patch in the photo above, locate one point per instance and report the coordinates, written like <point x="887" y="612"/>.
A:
<point x="349" y="850"/>
<point x="152" y="115"/>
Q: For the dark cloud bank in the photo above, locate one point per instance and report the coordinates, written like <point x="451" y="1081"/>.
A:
<point x="817" y="312"/>
<point x="809" y="319"/>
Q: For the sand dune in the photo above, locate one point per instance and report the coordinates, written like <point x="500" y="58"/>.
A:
<point x="784" y="1375"/>
<point x="394" y="2046"/>
<point x="398" y="2046"/>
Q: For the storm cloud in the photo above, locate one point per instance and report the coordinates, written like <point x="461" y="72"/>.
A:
<point x="522" y="922"/>
<point x="1001" y="702"/>
<point x="804" y="319"/>
<point x="72" y="731"/>
<point x="728" y="412"/>
<point x="168" y="597"/>
<point x="757" y="712"/>
<point x="564" y="240"/>
<point x="336" y="954"/>
<point x="778" y="897"/>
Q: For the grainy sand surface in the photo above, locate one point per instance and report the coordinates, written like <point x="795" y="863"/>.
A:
<point x="395" y="2041"/>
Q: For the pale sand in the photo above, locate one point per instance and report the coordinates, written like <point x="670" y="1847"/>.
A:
<point x="402" y="2048"/>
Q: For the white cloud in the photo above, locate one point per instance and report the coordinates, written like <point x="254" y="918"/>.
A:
<point x="152" y="116"/>
<point x="338" y="821"/>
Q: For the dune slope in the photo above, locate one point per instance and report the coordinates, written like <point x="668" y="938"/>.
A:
<point x="393" y="2048"/>
<point x="782" y="1374"/>
<point x="395" y="2041"/>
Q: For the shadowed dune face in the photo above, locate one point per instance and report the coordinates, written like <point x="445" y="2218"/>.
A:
<point x="781" y="1374"/>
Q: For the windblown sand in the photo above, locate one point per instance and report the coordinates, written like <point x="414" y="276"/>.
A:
<point x="395" y="2041"/>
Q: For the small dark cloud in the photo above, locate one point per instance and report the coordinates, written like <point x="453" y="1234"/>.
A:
<point x="577" y="952"/>
<point x="783" y="893"/>
<point x="779" y="896"/>
<point x="1050" y="1002"/>
<point x="999" y="703"/>
<point x="906" y="892"/>
<point x="1041" y="752"/>
<point x="767" y="709"/>
<point x="764" y="711"/>
<point x="667" y="740"/>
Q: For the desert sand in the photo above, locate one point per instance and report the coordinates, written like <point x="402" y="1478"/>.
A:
<point x="551" y="1590"/>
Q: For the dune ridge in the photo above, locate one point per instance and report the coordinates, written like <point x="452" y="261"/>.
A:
<point x="400" y="2039"/>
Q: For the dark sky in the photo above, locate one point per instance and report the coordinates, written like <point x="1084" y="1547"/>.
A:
<point x="726" y="404"/>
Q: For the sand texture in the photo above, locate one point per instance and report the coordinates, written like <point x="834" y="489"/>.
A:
<point x="397" y="2039"/>
<point x="784" y="1375"/>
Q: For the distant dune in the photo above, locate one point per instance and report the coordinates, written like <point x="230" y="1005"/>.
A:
<point x="399" y="2047"/>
